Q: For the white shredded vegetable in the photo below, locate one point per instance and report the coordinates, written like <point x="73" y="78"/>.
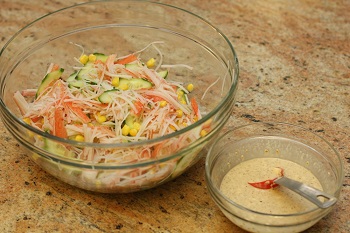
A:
<point x="113" y="99"/>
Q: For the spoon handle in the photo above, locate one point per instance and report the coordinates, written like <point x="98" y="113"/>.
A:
<point x="308" y="192"/>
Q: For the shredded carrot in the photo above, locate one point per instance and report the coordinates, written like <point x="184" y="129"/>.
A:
<point x="139" y="107"/>
<point x="155" y="98"/>
<point x="195" y="106"/>
<point x="78" y="111"/>
<point x="95" y="110"/>
<point x="127" y="59"/>
<point x="55" y="67"/>
<point x="156" y="150"/>
<point x="59" y="129"/>
<point x="36" y="118"/>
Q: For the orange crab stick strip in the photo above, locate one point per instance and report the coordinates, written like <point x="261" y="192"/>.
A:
<point x="55" y="67"/>
<point x="139" y="107"/>
<point x="127" y="59"/>
<point x="59" y="129"/>
<point x="78" y="111"/>
<point x="195" y="106"/>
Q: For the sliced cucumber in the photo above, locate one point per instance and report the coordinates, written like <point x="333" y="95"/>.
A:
<point x="57" y="149"/>
<point x="107" y="96"/>
<point x="76" y="83"/>
<point x="72" y="77"/>
<point x="100" y="56"/>
<point x="129" y="121"/>
<point x="48" y="79"/>
<point x="88" y="68"/>
<point x="134" y="83"/>
<point x="73" y="82"/>
<point x="124" y="84"/>
<point x="86" y="72"/>
<point x="133" y="66"/>
<point x="163" y="74"/>
<point x="186" y="161"/>
<point x="182" y="96"/>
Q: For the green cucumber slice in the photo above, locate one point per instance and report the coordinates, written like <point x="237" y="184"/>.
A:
<point x="182" y="97"/>
<point x="76" y="83"/>
<point x="57" y="149"/>
<point x="187" y="160"/>
<point x="129" y="121"/>
<point x="48" y="79"/>
<point x="135" y="83"/>
<point x="163" y="74"/>
<point x="133" y="66"/>
<point x="131" y="84"/>
<point x="107" y="96"/>
<point x="72" y="77"/>
<point x="88" y="68"/>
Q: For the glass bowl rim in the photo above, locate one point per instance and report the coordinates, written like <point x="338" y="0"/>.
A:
<point x="228" y="97"/>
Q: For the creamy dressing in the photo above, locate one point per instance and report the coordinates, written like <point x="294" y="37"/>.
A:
<point x="279" y="200"/>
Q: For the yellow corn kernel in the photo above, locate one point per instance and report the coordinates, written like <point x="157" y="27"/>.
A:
<point x="172" y="127"/>
<point x="136" y="126"/>
<point x="98" y="183"/>
<point x="180" y="93"/>
<point x="35" y="156"/>
<point x="151" y="62"/>
<point x="115" y="81"/>
<point x="92" y="57"/>
<point x="90" y="124"/>
<point x="30" y="134"/>
<point x="179" y="113"/>
<point x="207" y="123"/>
<point x="133" y="132"/>
<point x="163" y="103"/>
<point x="190" y="87"/>
<point x="183" y="101"/>
<point x="125" y="130"/>
<point x="152" y="171"/>
<point x="83" y="59"/>
<point x="79" y="138"/>
<point x="203" y="133"/>
<point x="101" y="119"/>
<point x="124" y="87"/>
<point x="27" y="120"/>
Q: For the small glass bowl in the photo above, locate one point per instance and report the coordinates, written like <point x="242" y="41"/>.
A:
<point x="272" y="140"/>
<point x="121" y="27"/>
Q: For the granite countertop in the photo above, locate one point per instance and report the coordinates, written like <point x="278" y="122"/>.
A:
<point x="295" y="67"/>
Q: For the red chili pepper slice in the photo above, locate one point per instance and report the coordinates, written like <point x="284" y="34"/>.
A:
<point x="266" y="184"/>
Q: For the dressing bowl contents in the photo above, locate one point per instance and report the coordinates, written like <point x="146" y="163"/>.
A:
<point x="277" y="200"/>
<point x="243" y="167"/>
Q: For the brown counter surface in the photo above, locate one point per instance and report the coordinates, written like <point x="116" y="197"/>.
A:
<point x="295" y="67"/>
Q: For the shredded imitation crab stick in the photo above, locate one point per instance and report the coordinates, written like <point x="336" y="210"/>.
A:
<point x="112" y="100"/>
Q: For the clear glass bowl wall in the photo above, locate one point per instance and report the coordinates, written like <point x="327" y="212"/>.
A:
<point x="273" y="140"/>
<point x="123" y="27"/>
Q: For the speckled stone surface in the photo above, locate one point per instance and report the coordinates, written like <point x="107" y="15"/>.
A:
<point x="295" y="67"/>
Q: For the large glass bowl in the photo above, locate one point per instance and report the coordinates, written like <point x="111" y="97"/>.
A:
<point x="272" y="140"/>
<point x="123" y="27"/>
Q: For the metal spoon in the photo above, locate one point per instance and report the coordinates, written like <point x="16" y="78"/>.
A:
<point x="308" y="192"/>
